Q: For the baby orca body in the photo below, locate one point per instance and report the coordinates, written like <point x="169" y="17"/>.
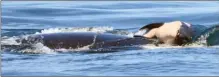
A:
<point x="172" y="33"/>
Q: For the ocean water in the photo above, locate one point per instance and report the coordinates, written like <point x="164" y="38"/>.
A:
<point x="33" y="17"/>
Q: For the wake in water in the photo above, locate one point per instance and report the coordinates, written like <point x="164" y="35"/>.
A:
<point x="204" y="37"/>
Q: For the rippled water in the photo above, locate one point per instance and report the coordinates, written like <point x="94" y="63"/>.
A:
<point x="147" y="61"/>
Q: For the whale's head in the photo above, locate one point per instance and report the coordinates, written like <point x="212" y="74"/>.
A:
<point x="185" y="34"/>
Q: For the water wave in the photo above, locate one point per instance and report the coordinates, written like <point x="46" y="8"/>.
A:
<point x="76" y="29"/>
<point x="208" y="36"/>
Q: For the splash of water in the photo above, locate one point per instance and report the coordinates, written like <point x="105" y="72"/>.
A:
<point x="76" y="29"/>
<point x="37" y="48"/>
<point x="79" y="49"/>
<point x="10" y="40"/>
<point x="202" y="39"/>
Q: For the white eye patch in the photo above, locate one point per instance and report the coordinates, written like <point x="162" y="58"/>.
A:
<point x="141" y="32"/>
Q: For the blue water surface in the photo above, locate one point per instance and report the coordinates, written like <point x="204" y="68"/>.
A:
<point x="170" y="61"/>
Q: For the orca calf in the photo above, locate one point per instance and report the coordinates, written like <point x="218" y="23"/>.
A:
<point x="172" y="33"/>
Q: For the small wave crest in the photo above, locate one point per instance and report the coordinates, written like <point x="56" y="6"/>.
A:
<point x="37" y="48"/>
<point x="10" y="40"/>
<point x="76" y="29"/>
<point x="104" y="29"/>
<point x="163" y="46"/>
<point x="16" y="41"/>
<point x="203" y="39"/>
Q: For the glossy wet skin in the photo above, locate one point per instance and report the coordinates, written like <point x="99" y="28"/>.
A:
<point x="171" y="33"/>
<point x="80" y="39"/>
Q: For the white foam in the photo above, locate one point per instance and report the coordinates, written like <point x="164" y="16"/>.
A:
<point x="76" y="29"/>
<point x="84" y="48"/>
<point x="141" y="32"/>
<point x="202" y="40"/>
<point x="80" y="49"/>
<point x="130" y="34"/>
<point x="164" y="46"/>
<point x="35" y="48"/>
<point x="85" y="29"/>
<point x="38" y="48"/>
<point x="10" y="41"/>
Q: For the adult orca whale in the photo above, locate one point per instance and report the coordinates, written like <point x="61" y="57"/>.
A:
<point x="72" y="40"/>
